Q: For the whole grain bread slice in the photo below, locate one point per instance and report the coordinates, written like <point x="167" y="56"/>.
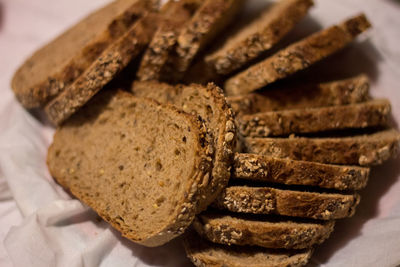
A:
<point x="229" y="230"/>
<point x="203" y="253"/>
<point x="268" y="200"/>
<point x="374" y="113"/>
<point x="209" y="103"/>
<point x="297" y="56"/>
<point x="175" y="15"/>
<point x="142" y="166"/>
<point x="58" y="64"/>
<point x="365" y="150"/>
<point x="341" y="92"/>
<point x="260" y="35"/>
<point x="260" y="168"/>
<point x="111" y="61"/>
<point x="208" y="21"/>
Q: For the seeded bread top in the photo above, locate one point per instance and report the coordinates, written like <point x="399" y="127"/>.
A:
<point x="341" y="92"/>
<point x="374" y="113"/>
<point x="364" y="150"/>
<point x="142" y="166"/>
<point x="269" y="233"/>
<point x="258" y="36"/>
<point x="268" y="169"/>
<point x="111" y="61"/>
<point x="208" y="21"/>
<point x="269" y="200"/>
<point x="297" y="56"/>
<point x="175" y="15"/>
<point x="206" y="254"/>
<point x="55" y="66"/>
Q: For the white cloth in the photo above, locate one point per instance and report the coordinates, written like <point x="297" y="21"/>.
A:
<point x="42" y="226"/>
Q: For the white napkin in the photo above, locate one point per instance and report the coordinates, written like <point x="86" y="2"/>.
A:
<point x="51" y="229"/>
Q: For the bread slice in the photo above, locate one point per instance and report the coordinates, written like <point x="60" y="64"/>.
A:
<point x="260" y="168"/>
<point x="203" y="253"/>
<point x="260" y="35"/>
<point x="175" y="15"/>
<point x="208" y="102"/>
<point x="374" y="113"/>
<point x="297" y="56"/>
<point x="268" y="200"/>
<point x="228" y="230"/>
<point x="142" y="166"/>
<point x="208" y="21"/>
<point x="365" y="150"/>
<point x="103" y="70"/>
<point x="58" y="64"/>
<point x="342" y="92"/>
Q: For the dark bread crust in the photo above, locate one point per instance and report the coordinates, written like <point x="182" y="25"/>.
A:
<point x="208" y="102"/>
<point x="364" y="150"/>
<point x="210" y="18"/>
<point x="203" y="253"/>
<point x="255" y="167"/>
<point x="75" y="176"/>
<point x="119" y="15"/>
<point x="374" y="113"/>
<point x="267" y="200"/>
<point x="258" y="36"/>
<point x="341" y="92"/>
<point x="116" y="57"/>
<point x="297" y="56"/>
<point x="224" y="229"/>
<point x="175" y="14"/>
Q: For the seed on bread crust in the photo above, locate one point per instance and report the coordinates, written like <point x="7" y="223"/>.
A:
<point x="57" y="65"/>
<point x="267" y="200"/>
<point x="206" y="254"/>
<point x="341" y="92"/>
<point x="364" y="150"/>
<point x="258" y="36"/>
<point x="103" y="70"/>
<point x="225" y="229"/>
<point x="260" y="168"/>
<point x="374" y="113"/>
<point x="208" y="21"/>
<point x="297" y="56"/>
<point x="174" y="16"/>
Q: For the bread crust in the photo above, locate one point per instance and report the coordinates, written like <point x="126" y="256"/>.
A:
<point x="260" y="168"/>
<point x="36" y="83"/>
<point x="175" y="14"/>
<point x="342" y="92"/>
<point x="297" y="56"/>
<point x="211" y="17"/>
<point x="103" y="70"/>
<point x="224" y="229"/>
<point x="203" y="253"/>
<point x="364" y="150"/>
<point x="68" y="174"/>
<point x="218" y="118"/>
<point x="258" y="36"/>
<point x="374" y="113"/>
<point x="268" y="200"/>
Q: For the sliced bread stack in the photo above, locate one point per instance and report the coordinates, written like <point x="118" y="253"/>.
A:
<point x="286" y="192"/>
<point x="164" y="153"/>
